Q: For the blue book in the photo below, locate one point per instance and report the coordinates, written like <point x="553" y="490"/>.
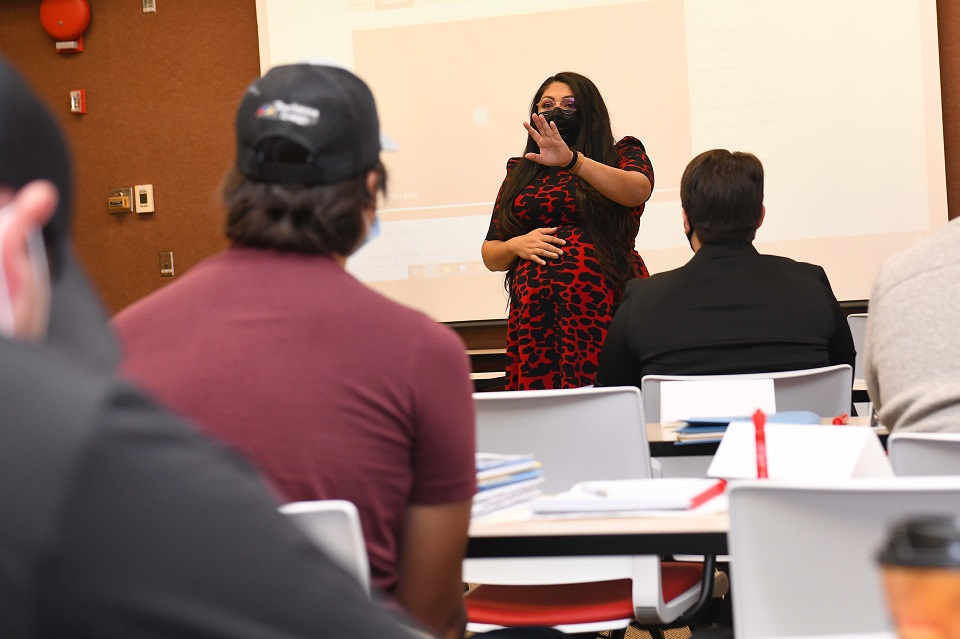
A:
<point x="699" y="430"/>
<point x="509" y="479"/>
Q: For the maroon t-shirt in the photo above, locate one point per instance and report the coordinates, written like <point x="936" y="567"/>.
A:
<point x="331" y="389"/>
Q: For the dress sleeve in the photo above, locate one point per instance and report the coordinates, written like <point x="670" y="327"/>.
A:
<point x="167" y="533"/>
<point x="631" y="156"/>
<point x="492" y="232"/>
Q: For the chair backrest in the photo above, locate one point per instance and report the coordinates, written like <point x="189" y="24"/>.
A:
<point x="924" y="453"/>
<point x="858" y="329"/>
<point x="577" y="434"/>
<point x="805" y="553"/>
<point x="334" y="526"/>
<point x="826" y="391"/>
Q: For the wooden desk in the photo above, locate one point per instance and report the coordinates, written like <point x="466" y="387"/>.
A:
<point x="519" y="535"/>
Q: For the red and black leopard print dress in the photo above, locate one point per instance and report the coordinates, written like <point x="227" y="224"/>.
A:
<point x="556" y="328"/>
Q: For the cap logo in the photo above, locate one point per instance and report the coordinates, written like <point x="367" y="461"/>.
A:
<point x="289" y="112"/>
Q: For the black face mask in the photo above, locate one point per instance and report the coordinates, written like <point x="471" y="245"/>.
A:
<point x="568" y="123"/>
<point x="689" y="235"/>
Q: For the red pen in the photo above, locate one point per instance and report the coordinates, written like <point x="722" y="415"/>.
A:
<point x="840" y="419"/>
<point x="759" y="420"/>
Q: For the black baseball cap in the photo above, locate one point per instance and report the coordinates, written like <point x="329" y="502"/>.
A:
<point x="32" y="147"/>
<point x="327" y="112"/>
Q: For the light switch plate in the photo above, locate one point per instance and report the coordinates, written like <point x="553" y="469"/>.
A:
<point x="166" y="264"/>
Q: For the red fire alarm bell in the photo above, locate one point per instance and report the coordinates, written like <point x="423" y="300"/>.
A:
<point x="65" y="21"/>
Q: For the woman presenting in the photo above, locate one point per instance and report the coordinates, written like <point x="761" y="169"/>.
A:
<point x="563" y="228"/>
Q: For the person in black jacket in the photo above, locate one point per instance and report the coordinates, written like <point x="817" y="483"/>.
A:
<point x="729" y="309"/>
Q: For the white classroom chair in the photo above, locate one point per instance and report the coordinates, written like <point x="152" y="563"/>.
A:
<point x="333" y="525"/>
<point x="924" y="453"/>
<point x="579" y="435"/>
<point x="804" y="554"/>
<point x="825" y="391"/>
<point x="858" y="329"/>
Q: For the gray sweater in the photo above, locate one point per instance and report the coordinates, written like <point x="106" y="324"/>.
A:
<point x="912" y="357"/>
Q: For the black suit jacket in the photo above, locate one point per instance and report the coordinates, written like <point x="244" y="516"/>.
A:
<point x="728" y="310"/>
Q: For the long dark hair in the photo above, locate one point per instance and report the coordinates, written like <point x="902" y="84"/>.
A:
<point x="608" y="224"/>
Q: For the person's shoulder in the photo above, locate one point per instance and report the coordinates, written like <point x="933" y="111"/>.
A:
<point x="404" y="322"/>
<point x="152" y="304"/>
<point x="631" y="156"/>
<point x="56" y="412"/>
<point x="794" y="274"/>
<point x="29" y="373"/>
<point x="788" y="263"/>
<point x="931" y="254"/>
<point x="644" y="289"/>
<point x="628" y="143"/>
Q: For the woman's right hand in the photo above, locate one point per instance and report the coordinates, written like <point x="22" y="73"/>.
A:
<point x="537" y="245"/>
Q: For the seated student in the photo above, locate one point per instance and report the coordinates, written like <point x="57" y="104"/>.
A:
<point x="329" y="388"/>
<point x="118" y="520"/>
<point x="911" y="354"/>
<point x="729" y="309"/>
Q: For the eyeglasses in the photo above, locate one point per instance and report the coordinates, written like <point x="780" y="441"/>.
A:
<point x="546" y="104"/>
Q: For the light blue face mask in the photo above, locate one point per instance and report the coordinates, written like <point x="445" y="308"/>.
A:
<point x="373" y="232"/>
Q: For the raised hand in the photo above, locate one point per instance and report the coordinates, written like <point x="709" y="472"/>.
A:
<point x="553" y="150"/>
<point x="537" y="245"/>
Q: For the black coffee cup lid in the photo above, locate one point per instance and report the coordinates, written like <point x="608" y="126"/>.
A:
<point x="923" y="542"/>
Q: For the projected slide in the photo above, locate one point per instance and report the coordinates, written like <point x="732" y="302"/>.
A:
<point x="839" y="100"/>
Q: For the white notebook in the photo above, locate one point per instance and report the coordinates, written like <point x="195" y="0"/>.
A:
<point x="678" y="493"/>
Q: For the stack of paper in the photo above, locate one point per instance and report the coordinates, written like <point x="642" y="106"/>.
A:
<point x="504" y="481"/>
<point x="631" y="495"/>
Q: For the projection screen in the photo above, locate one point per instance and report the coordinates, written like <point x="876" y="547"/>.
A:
<point x="840" y="99"/>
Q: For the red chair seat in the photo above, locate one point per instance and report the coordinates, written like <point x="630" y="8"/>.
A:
<point x="560" y="604"/>
<point x="677" y="577"/>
